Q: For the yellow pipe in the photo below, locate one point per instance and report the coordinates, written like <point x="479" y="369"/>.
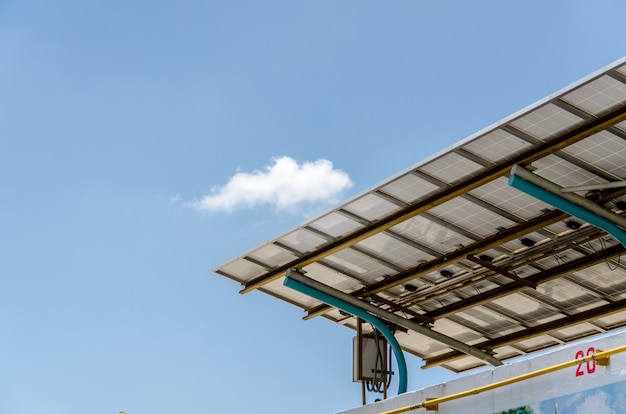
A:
<point x="601" y="357"/>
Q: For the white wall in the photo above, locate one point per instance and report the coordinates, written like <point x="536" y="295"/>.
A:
<point x="583" y="389"/>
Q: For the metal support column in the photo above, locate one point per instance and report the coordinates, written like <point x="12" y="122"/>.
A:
<point x="395" y="319"/>
<point x="353" y="310"/>
<point x="570" y="203"/>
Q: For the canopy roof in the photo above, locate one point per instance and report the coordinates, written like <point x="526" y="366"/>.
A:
<point x="450" y="245"/>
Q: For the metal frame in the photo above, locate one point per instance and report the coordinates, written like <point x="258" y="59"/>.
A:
<point x="296" y="282"/>
<point x="566" y="201"/>
<point x="566" y="139"/>
<point x="392" y="317"/>
<point x="441" y="303"/>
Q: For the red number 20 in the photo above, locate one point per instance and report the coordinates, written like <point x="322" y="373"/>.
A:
<point x="590" y="365"/>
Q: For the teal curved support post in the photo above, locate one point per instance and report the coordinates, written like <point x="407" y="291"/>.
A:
<point x="353" y="310"/>
<point x="563" y="204"/>
<point x="385" y="315"/>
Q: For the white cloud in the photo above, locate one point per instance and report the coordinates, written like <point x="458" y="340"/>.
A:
<point x="284" y="184"/>
<point x="598" y="403"/>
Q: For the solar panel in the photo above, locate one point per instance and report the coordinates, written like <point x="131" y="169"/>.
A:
<point x="449" y="241"/>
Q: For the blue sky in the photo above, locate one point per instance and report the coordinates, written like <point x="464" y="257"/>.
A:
<point x="134" y="133"/>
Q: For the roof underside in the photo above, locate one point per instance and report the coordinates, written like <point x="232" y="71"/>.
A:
<point x="450" y="244"/>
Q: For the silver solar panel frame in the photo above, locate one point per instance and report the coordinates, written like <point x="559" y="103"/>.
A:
<point x="389" y="244"/>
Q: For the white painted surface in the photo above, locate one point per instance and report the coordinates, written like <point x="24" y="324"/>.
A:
<point x="588" y="388"/>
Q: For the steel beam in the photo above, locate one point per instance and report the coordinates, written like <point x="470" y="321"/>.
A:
<point x="583" y="131"/>
<point x="571" y="203"/>
<point x="393" y="318"/>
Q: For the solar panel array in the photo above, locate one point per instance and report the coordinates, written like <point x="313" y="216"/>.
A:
<point x="450" y="244"/>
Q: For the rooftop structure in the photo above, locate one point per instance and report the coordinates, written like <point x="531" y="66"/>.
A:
<point x="474" y="267"/>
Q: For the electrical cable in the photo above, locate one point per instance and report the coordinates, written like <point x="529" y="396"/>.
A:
<point x="381" y="377"/>
<point x="390" y="371"/>
<point x="375" y="383"/>
<point x="606" y="259"/>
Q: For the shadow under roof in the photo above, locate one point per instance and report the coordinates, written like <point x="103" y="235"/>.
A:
<point x="450" y="242"/>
